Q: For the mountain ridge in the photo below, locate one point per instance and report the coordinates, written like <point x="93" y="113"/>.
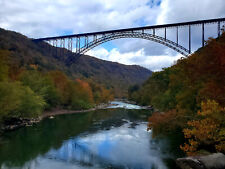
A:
<point x="24" y="52"/>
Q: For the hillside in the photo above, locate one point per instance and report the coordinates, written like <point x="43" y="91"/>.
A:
<point x="24" y="53"/>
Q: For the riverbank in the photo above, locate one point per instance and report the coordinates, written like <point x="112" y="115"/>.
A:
<point x="16" y="123"/>
<point x="58" y="111"/>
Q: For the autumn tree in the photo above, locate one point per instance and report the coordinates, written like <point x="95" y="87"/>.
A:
<point x="208" y="132"/>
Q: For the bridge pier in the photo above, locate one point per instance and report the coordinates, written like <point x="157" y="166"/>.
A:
<point x="189" y="39"/>
<point x="218" y="28"/>
<point x="165" y="33"/>
<point x="71" y="44"/>
<point x="86" y="41"/>
<point x="203" y="34"/>
<point x="78" y="45"/>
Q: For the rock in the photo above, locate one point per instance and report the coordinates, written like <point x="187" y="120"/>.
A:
<point x="51" y="117"/>
<point x="189" y="163"/>
<point x="213" y="161"/>
<point x="15" y="123"/>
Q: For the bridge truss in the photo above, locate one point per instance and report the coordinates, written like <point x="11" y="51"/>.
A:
<point x="81" y="43"/>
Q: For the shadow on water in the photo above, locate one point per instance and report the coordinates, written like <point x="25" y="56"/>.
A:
<point x="98" y="139"/>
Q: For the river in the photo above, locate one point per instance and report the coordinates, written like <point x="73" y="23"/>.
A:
<point x="113" y="138"/>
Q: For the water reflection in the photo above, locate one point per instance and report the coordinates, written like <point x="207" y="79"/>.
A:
<point x="122" y="147"/>
<point x="125" y="146"/>
<point x="113" y="138"/>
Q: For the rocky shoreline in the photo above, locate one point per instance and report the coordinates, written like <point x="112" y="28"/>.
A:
<point x="16" y="123"/>
<point x="212" y="161"/>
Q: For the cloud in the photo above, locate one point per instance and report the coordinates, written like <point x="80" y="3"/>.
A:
<point x="39" y="18"/>
<point x="172" y="11"/>
<point x="154" y="63"/>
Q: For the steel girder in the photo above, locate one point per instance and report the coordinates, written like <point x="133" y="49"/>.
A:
<point x="112" y="36"/>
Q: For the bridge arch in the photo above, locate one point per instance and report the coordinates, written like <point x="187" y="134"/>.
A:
<point x="147" y="36"/>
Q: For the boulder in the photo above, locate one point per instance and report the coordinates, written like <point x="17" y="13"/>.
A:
<point x="213" y="161"/>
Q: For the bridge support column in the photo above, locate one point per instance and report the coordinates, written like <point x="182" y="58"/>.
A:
<point x="63" y="46"/>
<point x="86" y="42"/>
<point x="56" y="47"/>
<point x="78" y="45"/>
<point x="60" y="47"/>
<point x="49" y="45"/>
<point x="203" y="35"/>
<point x="70" y="44"/>
<point x="218" y="28"/>
<point x="165" y="33"/>
<point x="177" y="35"/>
<point x="95" y="38"/>
<point x="51" y="42"/>
<point x="153" y="32"/>
<point x="189" y="39"/>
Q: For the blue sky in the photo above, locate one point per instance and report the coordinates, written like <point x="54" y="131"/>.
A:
<point x="41" y="18"/>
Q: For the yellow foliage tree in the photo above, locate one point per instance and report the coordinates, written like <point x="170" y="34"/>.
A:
<point x="208" y="132"/>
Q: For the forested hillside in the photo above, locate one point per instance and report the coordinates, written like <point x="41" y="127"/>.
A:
<point x="26" y="91"/>
<point x="114" y="76"/>
<point x="35" y="77"/>
<point x="190" y="98"/>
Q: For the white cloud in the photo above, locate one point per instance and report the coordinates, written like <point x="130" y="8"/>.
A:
<point x="38" y="18"/>
<point x="188" y="10"/>
<point x="154" y="63"/>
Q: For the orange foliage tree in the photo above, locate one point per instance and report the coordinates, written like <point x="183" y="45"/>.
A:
<point x="62" y="84"/>
<point x="208" y="132"/>
<point x="165" y="122"/>
<point x="84" y="91"/>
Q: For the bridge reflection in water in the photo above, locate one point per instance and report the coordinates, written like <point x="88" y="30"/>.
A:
<point x="74" y="152"/>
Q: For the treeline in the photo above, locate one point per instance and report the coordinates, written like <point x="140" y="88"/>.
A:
<point x="190" y="97"/>
<point x="26" y="91"/>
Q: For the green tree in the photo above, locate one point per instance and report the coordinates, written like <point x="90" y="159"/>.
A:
<point x="42" y="85"/>
<point x="19" y="101"/>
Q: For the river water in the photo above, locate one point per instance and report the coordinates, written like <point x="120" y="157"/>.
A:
<point x="114" y="138"/>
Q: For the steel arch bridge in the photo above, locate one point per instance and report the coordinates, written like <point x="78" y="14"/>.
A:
<point x="81" y="43"/>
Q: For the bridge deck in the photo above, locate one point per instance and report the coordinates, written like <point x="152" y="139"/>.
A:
<point x="136" y="29"/>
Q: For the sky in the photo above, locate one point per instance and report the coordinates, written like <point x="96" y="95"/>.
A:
<point x="43" y="18"/>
